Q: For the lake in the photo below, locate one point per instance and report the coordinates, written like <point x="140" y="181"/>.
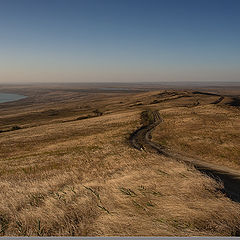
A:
<point x="9" y="97"/>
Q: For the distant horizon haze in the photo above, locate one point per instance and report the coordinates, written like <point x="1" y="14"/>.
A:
<point x="119" y="41"/>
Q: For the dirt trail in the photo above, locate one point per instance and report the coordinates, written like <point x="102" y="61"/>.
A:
<point x="219" y="100"/>
<point x="141" y="140"/>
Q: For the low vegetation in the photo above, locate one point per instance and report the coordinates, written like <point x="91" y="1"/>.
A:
<point x="82" y="178"/>
<point x="147" y="117"/>
<point x="209" y="132"/>
<point x="14" y="128"/>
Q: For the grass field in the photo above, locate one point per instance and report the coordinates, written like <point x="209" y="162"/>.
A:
<point x="207" y="131"/>
<point x="69" y="171"/>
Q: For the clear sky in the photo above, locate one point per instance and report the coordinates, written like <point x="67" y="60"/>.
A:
<point x="119" y="40"/>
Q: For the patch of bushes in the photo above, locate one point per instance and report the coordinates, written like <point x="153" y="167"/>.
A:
<point x="98" y="112"/>
<point x="155" y="102"/>
<point x="84" y="117"/>
<point x="147" y="117"/>
<point x="14" y="128"/>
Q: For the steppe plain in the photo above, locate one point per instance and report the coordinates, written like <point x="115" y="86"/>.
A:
<point x="69" y="169"/>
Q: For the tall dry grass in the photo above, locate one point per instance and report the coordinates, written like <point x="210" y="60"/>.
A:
<point x="208" y="132"/>
<point x="83" y="178"/>
<point x="63" y="177"/>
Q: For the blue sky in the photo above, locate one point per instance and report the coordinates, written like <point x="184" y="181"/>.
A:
<point x="119" y="40"/>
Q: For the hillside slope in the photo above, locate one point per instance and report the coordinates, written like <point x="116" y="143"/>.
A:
<point x="82" y="177"/>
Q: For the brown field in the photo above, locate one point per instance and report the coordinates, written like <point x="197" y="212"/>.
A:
<point x="67" y="170"/>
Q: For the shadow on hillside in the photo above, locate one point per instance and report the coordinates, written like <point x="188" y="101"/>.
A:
<point x="231" y="183"/>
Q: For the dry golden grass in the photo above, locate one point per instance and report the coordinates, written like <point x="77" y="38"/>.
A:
<point x="209" y="132"/>
<point x="83" y="178"/>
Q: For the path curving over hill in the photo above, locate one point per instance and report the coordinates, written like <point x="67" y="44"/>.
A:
<point x="141" y="140"/>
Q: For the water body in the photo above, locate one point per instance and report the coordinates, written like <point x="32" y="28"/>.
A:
<point x="9" y="97"/>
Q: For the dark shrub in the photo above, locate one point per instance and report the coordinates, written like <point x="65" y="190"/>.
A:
<point x="15" y="128"/>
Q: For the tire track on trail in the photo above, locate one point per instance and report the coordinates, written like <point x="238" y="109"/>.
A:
<point x="141" y="140"/>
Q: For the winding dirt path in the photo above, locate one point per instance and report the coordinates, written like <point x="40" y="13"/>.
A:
<point x="141" y="140"/>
